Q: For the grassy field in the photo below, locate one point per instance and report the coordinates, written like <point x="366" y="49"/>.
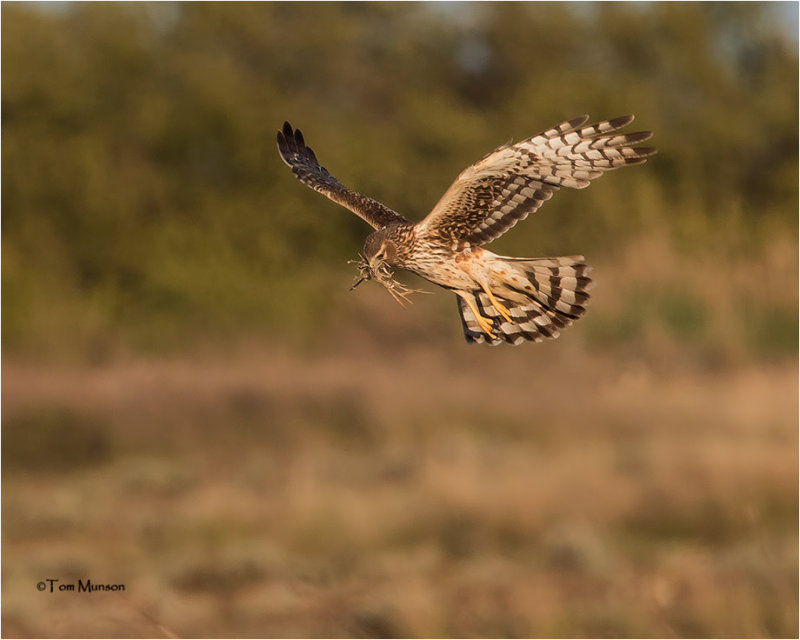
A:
<point x="414" y="490"/>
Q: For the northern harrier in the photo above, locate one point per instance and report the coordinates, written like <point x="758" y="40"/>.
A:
<point x="500" y="298"/>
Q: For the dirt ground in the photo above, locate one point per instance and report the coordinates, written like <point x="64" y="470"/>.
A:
<point x="407" y="493"/>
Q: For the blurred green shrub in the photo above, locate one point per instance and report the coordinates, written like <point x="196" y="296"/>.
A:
<point x="145" y="205"/>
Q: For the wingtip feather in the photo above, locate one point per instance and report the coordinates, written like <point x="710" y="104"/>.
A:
<point x="577" y="122"/>
<point x="621" y="121"/>
<point x="645" y="152"/>
<point x="638" y="136"/>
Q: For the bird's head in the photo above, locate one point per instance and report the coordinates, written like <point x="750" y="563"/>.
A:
<point x="381" y="253"/>
<point x="379" y="250"/>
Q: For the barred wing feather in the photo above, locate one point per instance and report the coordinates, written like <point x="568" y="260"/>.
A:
<point x="492" y="195"/>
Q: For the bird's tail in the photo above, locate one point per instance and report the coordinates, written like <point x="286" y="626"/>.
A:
<point x="540" y="296"/>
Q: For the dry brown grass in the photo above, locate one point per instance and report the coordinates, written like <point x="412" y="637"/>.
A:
<point x="402" y="492"/>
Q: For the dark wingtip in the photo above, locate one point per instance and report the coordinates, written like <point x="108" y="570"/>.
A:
<point x="284" y="135"/>
<point x="574" y="123"/>
<point x="644" y="152"/>
<point x="292" y="146"/>
<point x="621" y="121"/>
<point x="638" y="136"/>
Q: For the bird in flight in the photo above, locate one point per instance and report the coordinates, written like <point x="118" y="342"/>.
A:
<point x="500" y="298"/>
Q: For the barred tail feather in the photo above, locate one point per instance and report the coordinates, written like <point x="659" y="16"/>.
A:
<point x="551" y="296"/>
<point x="561" y="284"/>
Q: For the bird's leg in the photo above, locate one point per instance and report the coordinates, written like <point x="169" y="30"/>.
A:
<point x="497" y="304"/>
<point x="485" y="325"/>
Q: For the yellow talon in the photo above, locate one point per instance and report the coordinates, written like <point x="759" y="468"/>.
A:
<point x="485" y="325"/>
<point x="497" y="304"/>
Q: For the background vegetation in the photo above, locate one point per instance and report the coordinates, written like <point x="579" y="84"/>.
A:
<point x="196" y="406"/>
<point x="146" y="207"/>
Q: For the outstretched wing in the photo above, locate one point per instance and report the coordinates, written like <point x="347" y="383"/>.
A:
<point x="492" y="195"/>
<point x="304" y="165"/>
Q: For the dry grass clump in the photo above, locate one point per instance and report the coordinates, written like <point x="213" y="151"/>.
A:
<point x="384" y="276"/>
